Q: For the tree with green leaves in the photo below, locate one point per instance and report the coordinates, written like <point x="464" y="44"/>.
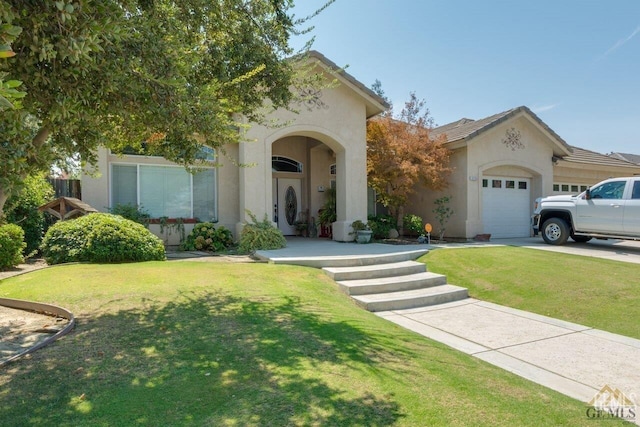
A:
<point x="174" y="74"/>
<point x="10" y="95"/>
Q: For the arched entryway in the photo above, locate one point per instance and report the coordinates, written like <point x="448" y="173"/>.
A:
<point x="315" y="148"/>
<point x="302" y="176"/>
<point x="309" y="163"/>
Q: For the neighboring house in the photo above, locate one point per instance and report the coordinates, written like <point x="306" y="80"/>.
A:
<point x="321" y="146"/>
<point x="502" y="163"/>
<point x="583" y="168"/>
<point x="633" y="158"/>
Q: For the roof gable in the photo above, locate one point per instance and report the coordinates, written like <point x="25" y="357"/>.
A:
<point x="466" y="129"/>
<point x="374" y="103"/>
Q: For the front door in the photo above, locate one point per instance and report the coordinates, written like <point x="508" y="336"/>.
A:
<point x="287" y="202"/>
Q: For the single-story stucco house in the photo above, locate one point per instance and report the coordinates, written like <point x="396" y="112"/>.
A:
<point x="322" y="146"/>
<point x="502" y="164"/>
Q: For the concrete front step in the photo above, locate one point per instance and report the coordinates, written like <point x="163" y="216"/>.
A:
<point x="374" y="271"/>
<point x="411" y="299"/>
<point x="348" y="260"/>
<point x="392" y="284"/>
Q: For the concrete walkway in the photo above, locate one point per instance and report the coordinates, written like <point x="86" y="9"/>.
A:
<point x="572" y="359"/>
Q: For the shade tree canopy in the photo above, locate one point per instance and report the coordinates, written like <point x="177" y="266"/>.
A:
<point x="174" y="74"/>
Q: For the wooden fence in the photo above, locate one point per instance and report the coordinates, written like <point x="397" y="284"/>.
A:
<point x="66" y="187"/>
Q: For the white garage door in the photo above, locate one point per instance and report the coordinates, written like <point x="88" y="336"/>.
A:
<point x="506" y="206"/>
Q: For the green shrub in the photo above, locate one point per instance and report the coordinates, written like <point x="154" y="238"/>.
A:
<point x="100" y="238"/>
<point x="381" y="225"/>
<point x="260" y="236"/>
<point x="205" y="237"/>
<point x="11" y="246"/>
<point x="412" y="224"/>
<point x="132" y="212"/>
<point x="22" y="209"/>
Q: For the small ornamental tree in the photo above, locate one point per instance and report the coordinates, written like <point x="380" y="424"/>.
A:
<point x="401" y="155"/>
<point x="443" y="212"/>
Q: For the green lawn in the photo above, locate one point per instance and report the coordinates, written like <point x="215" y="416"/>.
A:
<point x="206" y="344"/>
<point x="593" y="292"/>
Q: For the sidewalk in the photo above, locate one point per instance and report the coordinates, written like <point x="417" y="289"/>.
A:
<point x="572" y="359"/>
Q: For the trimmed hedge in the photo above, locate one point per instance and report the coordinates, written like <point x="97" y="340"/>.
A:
<point x="100" y="238"/>
<point x="11" y="246"/>
<point x="22" y="209"/>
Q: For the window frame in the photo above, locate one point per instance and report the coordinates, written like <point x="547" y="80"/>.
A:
<point x="191" y="186"/>
<point x="287" y="160"/>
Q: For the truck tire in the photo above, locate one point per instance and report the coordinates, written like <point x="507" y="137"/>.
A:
<point x="555" y="231"/>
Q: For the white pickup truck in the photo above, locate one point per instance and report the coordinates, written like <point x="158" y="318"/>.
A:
<point x="608" y="210"/>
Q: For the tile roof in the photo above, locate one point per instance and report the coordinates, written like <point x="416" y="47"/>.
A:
<point x="468" y="128"/>
<point x="465" y="128"/>
<point x="580" y="155"/>
<point x="633" y="158"/>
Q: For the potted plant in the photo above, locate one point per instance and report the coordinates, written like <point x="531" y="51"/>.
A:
<point x="302" y="227"/>
<point x="327" y="214"/>
<point x="362" y="231"/>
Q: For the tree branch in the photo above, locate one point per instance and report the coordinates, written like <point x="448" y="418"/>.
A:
<point x="41" y="136"/>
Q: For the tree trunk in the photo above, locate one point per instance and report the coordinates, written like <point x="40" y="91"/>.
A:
<point x="400" y="220"/>
<point x="4" y="195"/>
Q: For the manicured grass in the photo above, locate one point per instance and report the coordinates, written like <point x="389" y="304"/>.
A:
<point x="204" y="344"/>
<point x="593" y="292"/>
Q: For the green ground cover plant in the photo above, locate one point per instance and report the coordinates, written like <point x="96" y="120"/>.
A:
<point x="260" y="235"/>
<point x="594" y="292"/>
<point x="212" y="344"/>
<point x="206" y="237"/>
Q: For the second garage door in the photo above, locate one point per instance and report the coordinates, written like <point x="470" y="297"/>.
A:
<point x="506" y="206"/>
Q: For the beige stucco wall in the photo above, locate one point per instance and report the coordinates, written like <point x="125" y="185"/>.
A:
<point x="574" y="173"/>
<point x="95" y="183"/>
<point x="422" y="202"/>
<point x="322" y="157"/>
<point x="487" y="155"/>
<point x="338" y="120"/>
<point x="332" y="129"/>
<point x="228" y="188"/>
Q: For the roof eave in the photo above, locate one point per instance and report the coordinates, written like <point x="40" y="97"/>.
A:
<point x="375" y="104"/>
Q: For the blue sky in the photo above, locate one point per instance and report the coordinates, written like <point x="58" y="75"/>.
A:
<point x="575" y="63"/>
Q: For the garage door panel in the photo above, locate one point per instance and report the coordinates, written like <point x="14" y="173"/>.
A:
<point x="506" y="207"/>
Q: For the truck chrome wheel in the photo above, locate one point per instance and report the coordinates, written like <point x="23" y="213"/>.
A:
<point x="555" y="231"/>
